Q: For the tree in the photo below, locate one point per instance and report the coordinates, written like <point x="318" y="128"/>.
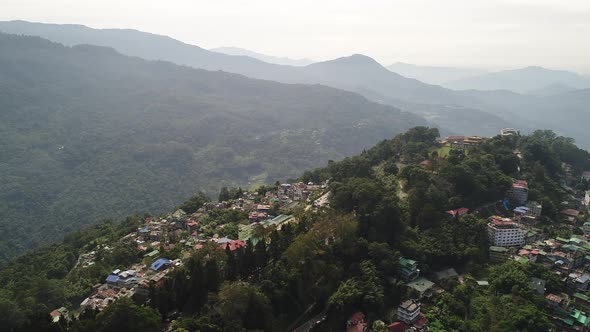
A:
<point x="244" y="306"/>
<point x="224" y="194"/>
<point x="194" y="203"/>
<point x="124" y="315"/>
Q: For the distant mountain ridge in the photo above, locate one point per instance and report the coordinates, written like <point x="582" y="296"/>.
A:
<point x="433" y="74"/>
<point x="262" y="57"/>
<point x="489" y="109"/>
<point x="521" y="80"/>
<point x="356" y="73"/>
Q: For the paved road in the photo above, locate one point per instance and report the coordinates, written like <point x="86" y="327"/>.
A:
<point x="308" y="326"/>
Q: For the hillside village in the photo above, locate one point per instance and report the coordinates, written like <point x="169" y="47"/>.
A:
<point x="515" y="232"/>
<point x="184" y="233"/>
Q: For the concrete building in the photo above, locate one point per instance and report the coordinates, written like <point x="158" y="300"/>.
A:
<point x="408" y="268"/>
<point x="503" y="232"/>
<point x="498" y="254"/>
<point x="535" y="208"/>
<point x="408" y="311"/>
<point x="519" y="193"/>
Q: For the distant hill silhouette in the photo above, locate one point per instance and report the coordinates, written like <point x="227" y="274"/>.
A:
<point x="357" y="73"/>
<point x="521" y="80"/>
<point x="263" y="57"/>
<point x="433" y="74"/>
<point x="489" y="98"/>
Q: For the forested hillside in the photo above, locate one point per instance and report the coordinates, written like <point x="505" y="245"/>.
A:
<point x="88" y="134"/>
<point x="358" y="73"/>
<point x="330" y="261"/>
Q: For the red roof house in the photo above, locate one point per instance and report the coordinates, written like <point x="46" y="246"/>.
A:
<point x="458" y="212"/>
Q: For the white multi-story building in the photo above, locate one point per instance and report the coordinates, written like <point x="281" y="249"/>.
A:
<point x="408" y="311"/>
<point x="503" y="232"/>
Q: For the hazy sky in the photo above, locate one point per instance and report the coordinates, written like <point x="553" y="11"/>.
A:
<point x="477" y="33"/>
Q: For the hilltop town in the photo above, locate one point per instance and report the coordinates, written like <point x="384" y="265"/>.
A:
<point x="505" y="237"/>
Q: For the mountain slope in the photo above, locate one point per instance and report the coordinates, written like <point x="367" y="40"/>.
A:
<point x="551" y="90"/>
<point x="87" y="124"/>
<point x="521" y="80"/>
<point x="356" y="73"/>
<point x="262" y="57"/>
<point x="351" y="73"/>
<point x="433" y="74"/>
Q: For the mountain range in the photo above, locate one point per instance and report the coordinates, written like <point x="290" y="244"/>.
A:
<point x="434" y="74"/>
<point x="85" y="124"/>
<point x="356" y="73"/>
<point x="524" y="80"/>
<point x="262" y="57"/>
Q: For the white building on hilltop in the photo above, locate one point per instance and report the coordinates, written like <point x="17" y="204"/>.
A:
<point x="503" y="232"/>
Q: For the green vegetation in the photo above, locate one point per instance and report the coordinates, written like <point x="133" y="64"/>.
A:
<point x="89" y="134"/>
<point x="344" y="258"/>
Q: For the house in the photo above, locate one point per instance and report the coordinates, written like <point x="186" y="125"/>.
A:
<point x="112" y="280"/>
<point x="556" y="302"/>
<point x="160" y="264"/>
<point x="585" y="176"/>
<point x="570" y="213"/>
<point x="446" y="274"/>
<point x="356" y="323"/>
<point x="408" y="268"/>
<point x="518" y="193"/>
<point x="152" y="253"/>
<point x="535" y="208"/>
<point x="397" y="327"/>
<point x="458" y="212"/>
<point x="504" y="232"/>
<point x="498" y="254"/>
<point x="423" y="286"/>
<point x="262" y="208"/>
<point x="408" y="311"/>
<point x="57" y="314"/>
<point x="532" y="236"/>
<point x="581" y="301"/>
<point x="463" y="142"/>
<point x="233" y="245"/>
<point x="578" y="281"/>
<point x="538" y="285"/>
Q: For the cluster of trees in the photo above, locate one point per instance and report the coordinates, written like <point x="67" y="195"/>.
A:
<point x="508" y="304"/>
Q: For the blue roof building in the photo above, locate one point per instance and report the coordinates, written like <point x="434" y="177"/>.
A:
<point x="160" y="263"/>
<point x="112" y="279"/>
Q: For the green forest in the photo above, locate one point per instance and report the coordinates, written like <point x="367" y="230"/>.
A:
<point x="88" y="134"/>
<point x="338" y="259"/>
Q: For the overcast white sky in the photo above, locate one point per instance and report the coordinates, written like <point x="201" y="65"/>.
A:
<point x="470" y="33"/>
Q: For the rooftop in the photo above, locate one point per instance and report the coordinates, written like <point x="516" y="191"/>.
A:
<point x="421" y="284"/>
<point x="158" y="264"/>
<point x="410" y="305"/>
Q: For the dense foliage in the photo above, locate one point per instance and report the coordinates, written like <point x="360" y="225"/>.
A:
<point x="340" y="259"/>
<point x="88" y="134"/>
